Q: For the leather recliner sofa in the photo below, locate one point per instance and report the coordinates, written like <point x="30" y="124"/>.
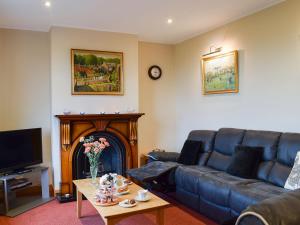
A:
<point x="208" y="189"/>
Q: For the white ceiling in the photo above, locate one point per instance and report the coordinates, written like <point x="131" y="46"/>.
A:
<point x="146" y="18"/>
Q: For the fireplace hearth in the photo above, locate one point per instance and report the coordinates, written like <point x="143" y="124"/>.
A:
<point x="119" y="129"/>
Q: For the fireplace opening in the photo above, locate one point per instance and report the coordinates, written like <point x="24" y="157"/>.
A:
<point x="112" y="159"/>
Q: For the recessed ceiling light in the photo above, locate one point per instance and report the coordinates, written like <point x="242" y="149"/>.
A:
<point x="47" y="4"/>
<point x="169" y="21"/>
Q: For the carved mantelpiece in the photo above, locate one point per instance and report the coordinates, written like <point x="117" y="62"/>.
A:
<point x="72" y="127"/>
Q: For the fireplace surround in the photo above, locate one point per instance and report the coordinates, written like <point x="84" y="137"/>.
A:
<point x="119" y="129"/>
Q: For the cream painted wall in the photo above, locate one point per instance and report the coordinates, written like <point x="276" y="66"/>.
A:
<point x="269" y="56"/>
<point x="156" y="98"/>
<point x="25" y="83"/>
<point x="62" y="40"/>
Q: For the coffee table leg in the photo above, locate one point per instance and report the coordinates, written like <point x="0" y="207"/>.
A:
<point x="79" y="203"/>
<point x="160" y="217"/>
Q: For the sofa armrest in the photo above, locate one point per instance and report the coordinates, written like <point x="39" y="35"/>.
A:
<point x="282" y="209"/>
<point x="163" y="156"/>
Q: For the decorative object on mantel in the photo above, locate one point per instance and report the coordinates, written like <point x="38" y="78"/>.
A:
<point x="154" y="72"/>
<point x="93" y="150"/>
<point x="122" y="126"/>
<point x="97" y="72"/>
<point x="220" y="73"/>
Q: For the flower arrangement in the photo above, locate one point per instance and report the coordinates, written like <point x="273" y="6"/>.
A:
<point x="93" y="150"/>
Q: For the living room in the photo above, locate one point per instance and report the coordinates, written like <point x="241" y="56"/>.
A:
<point x="162" y="94"/>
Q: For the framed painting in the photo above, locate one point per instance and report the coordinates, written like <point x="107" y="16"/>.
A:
<point x="97" y="72"/>
<point x="220" y="73"/>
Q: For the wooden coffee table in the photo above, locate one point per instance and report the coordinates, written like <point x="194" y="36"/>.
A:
<point x="113" y="214"/>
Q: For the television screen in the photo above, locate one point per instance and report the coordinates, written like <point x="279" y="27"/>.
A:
<point x="20" y="148"/>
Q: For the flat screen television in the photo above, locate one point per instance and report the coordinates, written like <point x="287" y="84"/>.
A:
<point x="20" y="148"/>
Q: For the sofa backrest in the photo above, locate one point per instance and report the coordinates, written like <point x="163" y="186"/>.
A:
<point x="279" y="154"/>
<point x="288" y="146"/>
<point x="207" y="137"/>
<point x="269" y="141"/>
<point x="225" y="142"/>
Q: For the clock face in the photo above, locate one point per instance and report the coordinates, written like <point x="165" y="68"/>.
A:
<point x="154" y="72"/>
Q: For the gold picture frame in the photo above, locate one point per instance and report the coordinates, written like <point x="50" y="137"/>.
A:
<point x="97" y="72"/>
<point x="220" y="73"/>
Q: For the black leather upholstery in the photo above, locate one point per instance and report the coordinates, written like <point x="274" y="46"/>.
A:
<point x="207" y="188"/>
<point x="279" y="210"/>
<point x="226" y="141"/>
<point x="207" y="138"/>
<point x="163" y="156"/>
<point x="267" y="139"/>
<point x="289" y="145"/>
<point x="248" y="194"/>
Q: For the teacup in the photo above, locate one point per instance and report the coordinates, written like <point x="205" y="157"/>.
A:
<point x="142" y="194"/>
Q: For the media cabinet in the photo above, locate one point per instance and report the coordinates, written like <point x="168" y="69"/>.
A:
<point x="22" y="191"/>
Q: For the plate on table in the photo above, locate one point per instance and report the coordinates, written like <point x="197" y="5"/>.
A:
<point x="123" y="193"/>
<point x="115" y="202"/>
<point x="127" y="204"/>
<point x="142" y="199"/>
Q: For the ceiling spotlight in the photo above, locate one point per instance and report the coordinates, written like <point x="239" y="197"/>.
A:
<point x="169" y="21"/>
<point x="47" y="4"/>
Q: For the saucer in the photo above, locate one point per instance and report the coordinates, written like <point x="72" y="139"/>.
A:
<point x="123" y="204"/>
<point x="142" y="200"/>
<point x="123" y="193"/>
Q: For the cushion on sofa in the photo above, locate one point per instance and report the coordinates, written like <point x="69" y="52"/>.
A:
<point x="248" y="194"/>
<point x="190" y="152"/>
<point x="293" y="181"/>
<point x="207" y="137"/>
<point x="268" y="140"/>
<point x="289" y="145"/>
<point x="226" y="141"/>
<point x="245" y="161"/>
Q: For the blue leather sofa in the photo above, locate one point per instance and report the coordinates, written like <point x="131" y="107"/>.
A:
<point x="207" y="187"/>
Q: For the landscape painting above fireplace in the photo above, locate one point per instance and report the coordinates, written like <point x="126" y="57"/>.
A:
<point x="97" y="72"/>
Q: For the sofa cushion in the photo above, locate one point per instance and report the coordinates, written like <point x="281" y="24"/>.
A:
<point x="216" y="187"/>
<point x="226" y="141"/>
<point x="268" y="140"/>
<point x="245" y="161"/>
<point x="289" y="145"/>
<point x="248" y="194"/>
<point x="190" y="152"/>
<point x="187" y="177"/>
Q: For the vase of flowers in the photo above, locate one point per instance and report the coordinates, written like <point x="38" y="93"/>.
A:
<point x="93" y="150"/>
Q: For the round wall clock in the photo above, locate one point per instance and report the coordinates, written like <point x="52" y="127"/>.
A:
<point x="154" y="72"/>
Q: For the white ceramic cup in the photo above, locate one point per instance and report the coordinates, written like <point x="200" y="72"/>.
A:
<point x="142" y="194"/>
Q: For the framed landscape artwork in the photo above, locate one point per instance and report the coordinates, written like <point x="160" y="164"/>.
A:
<point x="97" y="72"/>
<point x="220" y="73"/>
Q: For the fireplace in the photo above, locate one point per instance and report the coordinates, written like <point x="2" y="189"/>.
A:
<point x="119" y="129"/>
<point x="112" y="159"/>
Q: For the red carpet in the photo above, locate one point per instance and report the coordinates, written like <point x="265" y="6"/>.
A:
<point x="54" y="213"/>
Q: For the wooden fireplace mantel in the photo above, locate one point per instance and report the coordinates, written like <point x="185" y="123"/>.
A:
<point x="74" y="126"/>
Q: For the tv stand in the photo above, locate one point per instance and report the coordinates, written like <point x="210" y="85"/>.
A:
<point x="24" y="190"/>
<point x="23" y="170"/>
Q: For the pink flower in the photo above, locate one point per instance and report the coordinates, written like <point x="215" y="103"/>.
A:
<point x="96" y="150"/>
<point x="102" y="146"/>
<point x="106" y="143"/>
<point x="87" y="150"/>
<point x="102" y="139"/>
